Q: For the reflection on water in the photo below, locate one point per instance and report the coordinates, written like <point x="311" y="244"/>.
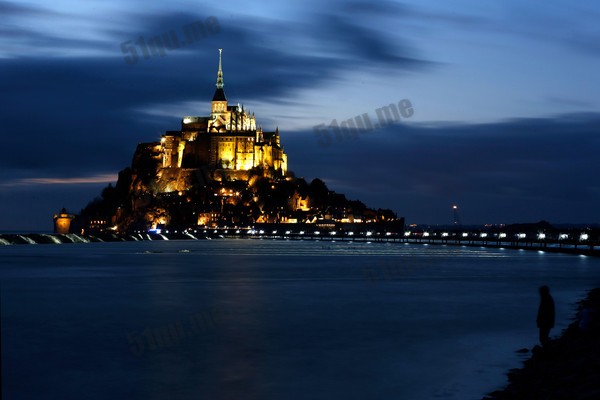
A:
<point x="290" y="320"/>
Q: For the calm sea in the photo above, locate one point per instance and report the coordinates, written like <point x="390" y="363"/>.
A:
<point x="258" y="319"/>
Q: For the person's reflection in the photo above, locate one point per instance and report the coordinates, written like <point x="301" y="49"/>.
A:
<point x="545" y="316"/>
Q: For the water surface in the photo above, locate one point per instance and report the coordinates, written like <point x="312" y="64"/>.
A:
<point x="258" y="319"/>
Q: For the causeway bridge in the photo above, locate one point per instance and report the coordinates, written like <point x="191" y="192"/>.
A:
<point x="583" y="241"/>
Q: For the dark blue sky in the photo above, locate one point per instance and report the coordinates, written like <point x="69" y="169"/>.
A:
<point x="505" y="98"/>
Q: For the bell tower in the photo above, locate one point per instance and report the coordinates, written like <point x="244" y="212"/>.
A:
<point x="219" y="101"/>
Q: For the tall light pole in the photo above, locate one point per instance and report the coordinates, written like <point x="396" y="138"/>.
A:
<point x="455" y="219"/>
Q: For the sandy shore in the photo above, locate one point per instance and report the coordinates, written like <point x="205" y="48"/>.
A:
<point x="568" y="369"/>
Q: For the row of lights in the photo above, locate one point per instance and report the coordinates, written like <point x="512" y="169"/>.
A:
<point x="332" y="233"/>
<point x="502" y="235"/>
<point x="483" y="235"/>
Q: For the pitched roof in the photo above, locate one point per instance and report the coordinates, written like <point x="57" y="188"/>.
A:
<point x="219" y="95"/>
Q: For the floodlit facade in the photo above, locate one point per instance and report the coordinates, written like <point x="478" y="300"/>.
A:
<point x="228" y="140"/>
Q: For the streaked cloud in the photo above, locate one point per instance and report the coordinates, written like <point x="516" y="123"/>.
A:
<point x="82" y="180"/>
<point x="500" y="172"/>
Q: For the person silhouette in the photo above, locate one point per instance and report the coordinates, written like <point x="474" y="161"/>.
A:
<point x="545" y="316"/>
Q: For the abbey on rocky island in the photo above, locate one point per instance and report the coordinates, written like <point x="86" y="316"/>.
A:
<point x="227" y="144"/>
<point x="218" y="170"/>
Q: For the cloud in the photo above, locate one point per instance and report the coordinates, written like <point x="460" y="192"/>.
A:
<point x="84" y="180"/>
<point x="74" y="108"/>
<point x="10" y="9"/>
<point x="501" y="172"/>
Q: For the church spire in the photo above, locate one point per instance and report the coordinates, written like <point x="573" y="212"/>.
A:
<point x="220" y="73"/>
<point x="220" y="93"/>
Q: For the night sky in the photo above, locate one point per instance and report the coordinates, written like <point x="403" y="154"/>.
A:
<point x="504" y="93"/>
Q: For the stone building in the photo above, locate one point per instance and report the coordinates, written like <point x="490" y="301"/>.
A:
<point x="62" y="222"/>
<point x="227" y="142"/>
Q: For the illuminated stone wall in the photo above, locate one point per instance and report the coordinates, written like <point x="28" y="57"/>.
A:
<point x="227" y="139"/>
